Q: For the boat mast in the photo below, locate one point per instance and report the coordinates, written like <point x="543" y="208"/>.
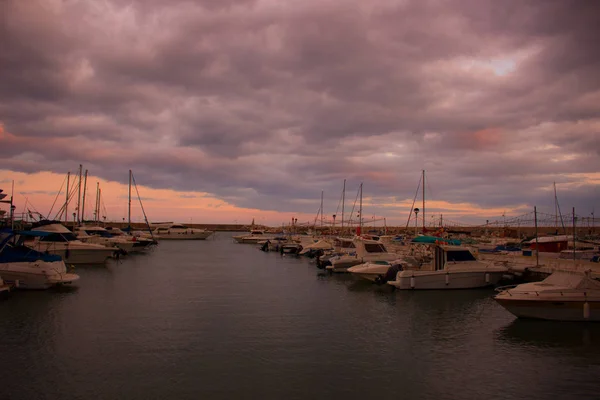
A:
<point x="96" y="216"/>
<point x="79" y="196"/>
<point x="360" y="210"/>
<point x="537" y="246"/>
<point x="423" y="210"/>
<point x="83" y="197"/>
<point x="67" y="197"/>
<point x="343" y="200"/>
<point x="574" y="254"/>
<point x="142" y="206"/>
<point x="99" y="200"/>
<point x="555" y="209"/>
<point x="129" y="209"/>
<point x="12" y="207"/>
<point x="321" y="209"/>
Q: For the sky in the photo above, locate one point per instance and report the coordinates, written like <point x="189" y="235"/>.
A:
<point x="233" y="110"/>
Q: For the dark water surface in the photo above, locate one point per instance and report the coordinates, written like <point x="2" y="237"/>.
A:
<point x="218" y="320"/>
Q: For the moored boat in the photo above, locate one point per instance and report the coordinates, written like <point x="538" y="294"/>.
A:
<point x="53" y="238"/>
<point x="255" y="236"/>
<point x="180" y="232"/>
<point x="30" y="269"/>
<point x="366" y="251"/>
<point x="452" y="267"/>
<point x="563" y="296"/>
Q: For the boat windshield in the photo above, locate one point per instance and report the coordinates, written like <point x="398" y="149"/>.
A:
<point x="375" y="248"/>
<point x="460" y="255"/>
<point x="347" y="244"/>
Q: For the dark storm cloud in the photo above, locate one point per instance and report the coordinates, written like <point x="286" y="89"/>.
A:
<point x="264" y="103"/>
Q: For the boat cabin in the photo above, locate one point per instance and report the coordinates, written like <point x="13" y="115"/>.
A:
<point x="166" y="229"/>
<point x="550" y="244"/>
<point x="371" y="248"/>
<point x="446" y="254"/>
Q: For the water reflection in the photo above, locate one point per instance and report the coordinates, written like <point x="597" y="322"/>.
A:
<point x="545" y="334"/>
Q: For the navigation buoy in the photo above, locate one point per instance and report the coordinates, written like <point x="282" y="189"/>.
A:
<point x="586" y="310"/>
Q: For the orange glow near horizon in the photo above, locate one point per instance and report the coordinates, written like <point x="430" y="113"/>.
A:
<point x="39" y="191"/>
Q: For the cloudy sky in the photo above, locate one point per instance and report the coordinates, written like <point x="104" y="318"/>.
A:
<point x="230" y="110"/>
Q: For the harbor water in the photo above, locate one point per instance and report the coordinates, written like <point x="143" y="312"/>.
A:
<point x="218" y="320"/>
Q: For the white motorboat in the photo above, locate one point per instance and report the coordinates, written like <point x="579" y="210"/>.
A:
<point x="366" y="251"/>
<point x="452" y="267"/>
<point x="55" y="238"/>
<point x="563" y="296"/>
<point x="99" y="235"/>
<point x="30" y="269"/>
<point x="253" y="237"/>
<point x="376" y="271"/>
<point x="322" y="244"/>
<point x="141" y="240"/>
<point x="180" y="232"/>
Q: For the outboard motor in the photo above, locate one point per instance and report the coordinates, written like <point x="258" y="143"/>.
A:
<point x="390" y="274"/>
<point x="265" y="246"/>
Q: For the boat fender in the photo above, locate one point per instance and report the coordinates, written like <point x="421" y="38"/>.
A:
<point x="412" y="282"/>
<point x="67" y="252"/>
<point x="487" y="277"/>
<point x="447" y="278"/>
<point x="586" y="310"/>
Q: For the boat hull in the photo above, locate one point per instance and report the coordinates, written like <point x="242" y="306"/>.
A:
<point x="370" y="273"/>
<point x="552" y="310"/>
<point x="185" y="236"/>
<point x="342" y="264"/>
<point x="409" y="280"/>
<point x="36" y="275"/>
<point x="74" y="255"/>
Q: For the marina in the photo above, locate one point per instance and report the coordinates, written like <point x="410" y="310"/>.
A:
<point x="188" y="318"/>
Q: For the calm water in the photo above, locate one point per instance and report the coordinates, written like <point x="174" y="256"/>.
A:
<point x="218" y="320"/>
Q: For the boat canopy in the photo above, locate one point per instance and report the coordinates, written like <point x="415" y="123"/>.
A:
<point x="435" y="240"/>
<point x="574" y="280"/>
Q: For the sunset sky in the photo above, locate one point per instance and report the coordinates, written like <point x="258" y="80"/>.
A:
<point x="229" y="110"/>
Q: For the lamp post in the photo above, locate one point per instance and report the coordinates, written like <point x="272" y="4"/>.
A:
<point x="416" y="210"/>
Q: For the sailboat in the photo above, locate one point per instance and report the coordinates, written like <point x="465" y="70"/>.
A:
<point x="142" y="240"/>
